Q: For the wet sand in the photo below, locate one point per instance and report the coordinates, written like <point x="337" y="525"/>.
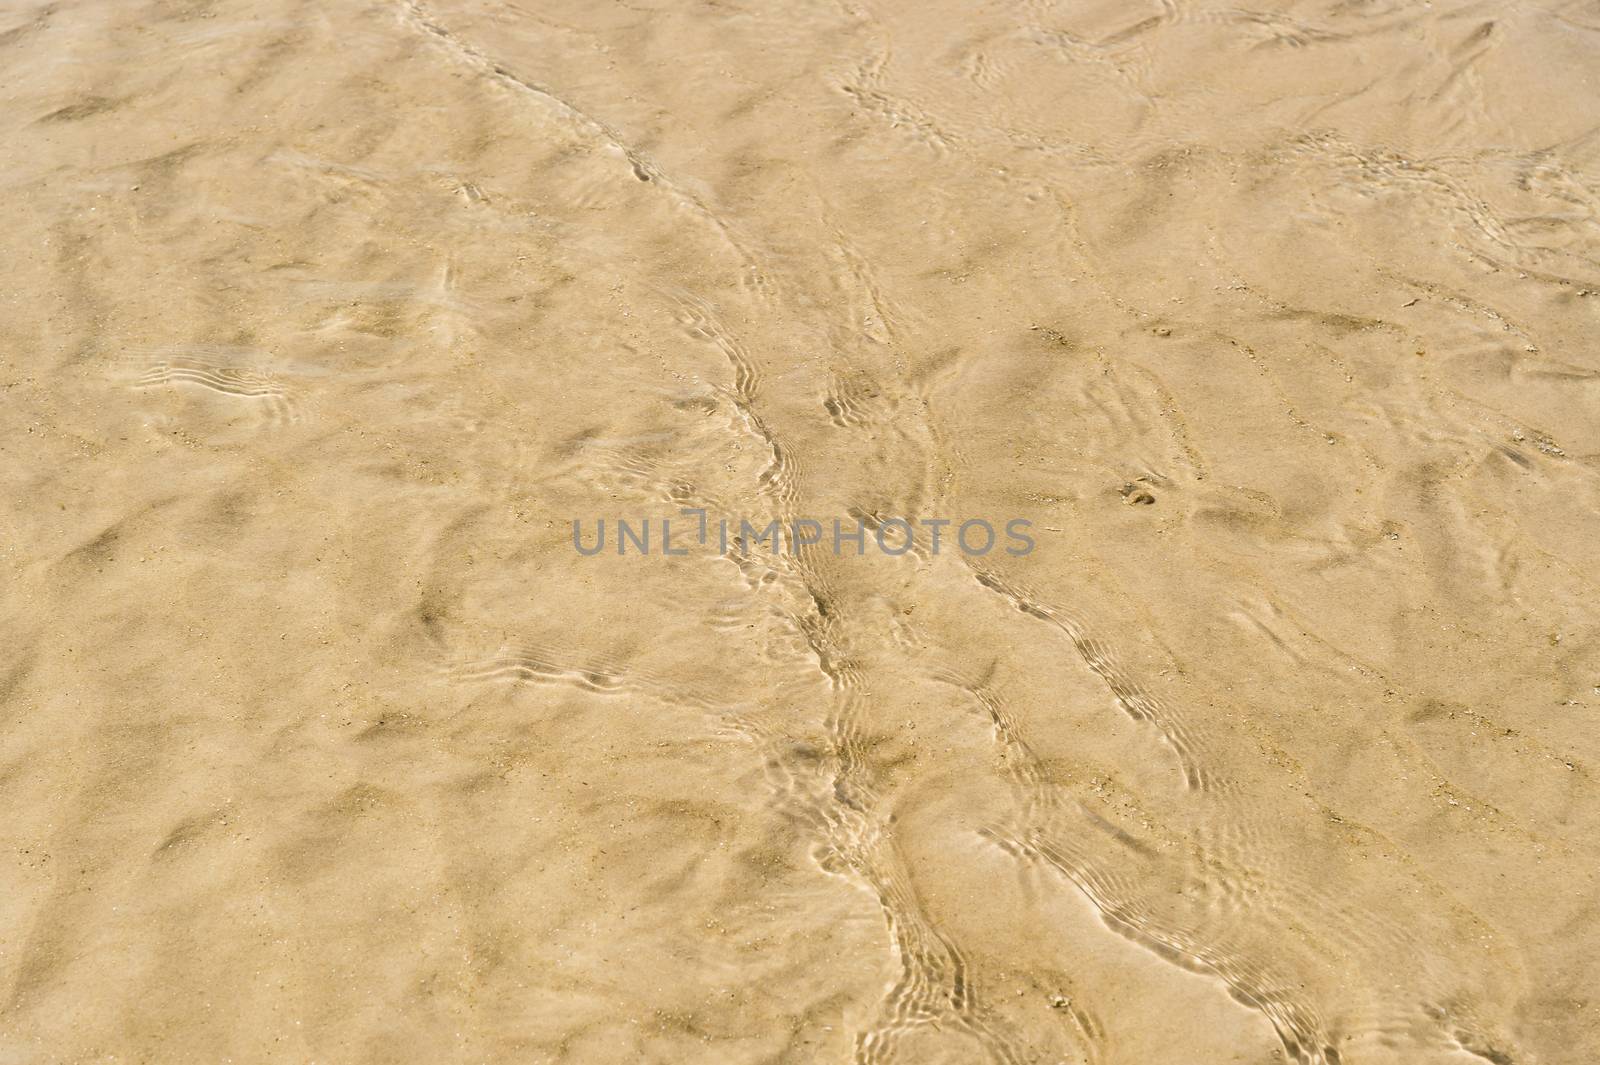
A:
<point x="324" y="322"/>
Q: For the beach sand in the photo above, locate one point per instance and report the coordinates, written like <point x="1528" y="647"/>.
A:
<point x="324" y="322"/>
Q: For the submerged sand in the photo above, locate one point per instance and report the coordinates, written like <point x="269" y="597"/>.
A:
<point x="323" y="322"/>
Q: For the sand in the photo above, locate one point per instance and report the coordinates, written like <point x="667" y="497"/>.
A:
<point x="324" y="322"/>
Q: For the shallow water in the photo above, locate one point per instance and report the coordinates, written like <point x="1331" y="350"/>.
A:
<point x="325" y="321"/>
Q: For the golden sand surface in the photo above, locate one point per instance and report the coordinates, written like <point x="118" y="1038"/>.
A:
<point x="323" y="322"/>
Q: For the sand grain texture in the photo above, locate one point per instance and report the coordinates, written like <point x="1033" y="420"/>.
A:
<point x="321" y="323"/>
